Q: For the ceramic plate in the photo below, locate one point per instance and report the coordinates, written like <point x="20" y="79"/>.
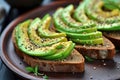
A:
<point x="97" y="70"/>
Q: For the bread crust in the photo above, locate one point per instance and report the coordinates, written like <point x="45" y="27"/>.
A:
<point x="114" y="37"/>
<point x="95" y="51"/>
<point x="105" y="51"/>
<point x="73" y="63"/>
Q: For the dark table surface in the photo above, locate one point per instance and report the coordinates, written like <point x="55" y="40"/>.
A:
<point x="10" y="14"/>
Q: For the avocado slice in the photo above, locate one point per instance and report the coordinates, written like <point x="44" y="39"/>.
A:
<point x="25" y="45"/>
<point x="79" y="13"/>
<point x="84" y="36"/>
<point x="62" y="53"/>
<point x="105" y="20"/>
<point x="37" y="40"/>
<point x="112" y="4"/>
<point x="109" y="27"/>
<point x="89" y="42"/>
<point x="43" y="29"/>
<point x="68" y="20"/>
<point x="94" y="11"/>
<point x="74" y="32"/>
<point x="59" y="24"/>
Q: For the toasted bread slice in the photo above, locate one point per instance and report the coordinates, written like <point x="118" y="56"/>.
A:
<point x="114" y="37"/>
<point x="105" y="51"/>
<point x="73" y="63"/>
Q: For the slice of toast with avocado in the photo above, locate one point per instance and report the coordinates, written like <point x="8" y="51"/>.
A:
<point x="50" y="51"/>
<point x="89" y="41"/>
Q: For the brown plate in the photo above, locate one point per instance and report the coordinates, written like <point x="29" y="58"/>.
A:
<point x="97" y="70"/>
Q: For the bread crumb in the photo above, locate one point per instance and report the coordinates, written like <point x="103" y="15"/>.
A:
<point x="94" y="68"/>
<point x="104" y="64"/>
<point x="91" y="77"/>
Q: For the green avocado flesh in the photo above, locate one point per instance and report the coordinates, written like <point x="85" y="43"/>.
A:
<point x="104" y="13"/>
<point x="85" y="36"/>
<point x="44" y="31"/>
<point x="62" y="53"/>
<point x="68" y="20"/>
<point x="37" y="40"/>
<point x="60" y="25"/>
<point x="106" y="19"/>
<point x="79" y="13"/>
<point x="86" y="33"/>
<point x="41" y="49"/>
<point x="112" y="4"/>
<point x="89" y="42"/>
<point x="96" y="12"/>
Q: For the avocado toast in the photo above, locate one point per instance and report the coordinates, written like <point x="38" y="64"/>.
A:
<point x="50" y="51"/>
<point x="106" y="14"/>
<point x="54" y="52"/>
<point x="84" y="32"/>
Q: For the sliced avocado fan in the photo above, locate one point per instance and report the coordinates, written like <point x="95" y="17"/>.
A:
<point x="76" y="30"/>
<point x="28" y="41"/>
<point x="106" y="19"/>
